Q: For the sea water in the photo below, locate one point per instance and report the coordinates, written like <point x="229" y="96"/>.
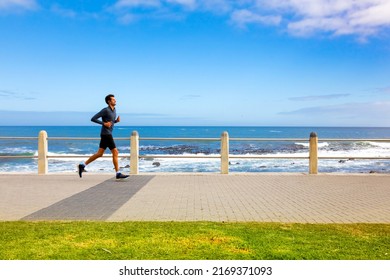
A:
<point x="85" y="148"/>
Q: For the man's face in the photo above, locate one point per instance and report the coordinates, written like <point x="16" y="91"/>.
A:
<point x="112" y="101"/>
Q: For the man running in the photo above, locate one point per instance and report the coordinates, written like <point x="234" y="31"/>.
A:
<point x="108" y="119"/>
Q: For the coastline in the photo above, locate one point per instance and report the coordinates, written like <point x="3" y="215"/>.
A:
<point x="70" y="152"/>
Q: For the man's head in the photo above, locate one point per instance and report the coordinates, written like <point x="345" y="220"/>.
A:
<point x="108" y="98"/>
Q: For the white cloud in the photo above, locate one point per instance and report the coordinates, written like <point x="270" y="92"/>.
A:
<point x="370" y="113"/>
<point x="361" y="18"/>
<point x="318" y="97"/>
<point x="306" y="17"/>
<point x="216" y="6"/>
<point x="189" y="4"/>
<point x="244" y="17"/>
<point x="154" y="3"/>
<point x="63" y="12"/>
<point x="375" y="15"/>
<point x="136" y="3"/>
<point x="19" y="4"/>
<point x="15" y="95"/>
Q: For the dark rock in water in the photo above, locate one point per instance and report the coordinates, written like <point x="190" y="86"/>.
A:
<point x="263" y="166"/>
<point x="372" y="171"/>
<point x="127" y="166"/>
<point x="156" y="164"/>
<point x="342" y="161"/>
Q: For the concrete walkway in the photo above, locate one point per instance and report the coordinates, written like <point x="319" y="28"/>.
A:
<point x="272" y="197"/>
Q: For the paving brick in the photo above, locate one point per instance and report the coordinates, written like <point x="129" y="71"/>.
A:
<point x="323" y="198"/>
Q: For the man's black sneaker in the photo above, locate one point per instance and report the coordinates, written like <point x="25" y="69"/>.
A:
<point x="121" y="176"/>
<point x="81" y="170"/>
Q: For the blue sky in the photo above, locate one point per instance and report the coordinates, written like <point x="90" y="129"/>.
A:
<point x="196" y="62"/>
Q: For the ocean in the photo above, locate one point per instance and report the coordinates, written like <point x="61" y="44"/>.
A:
<point x="85" y="148"/>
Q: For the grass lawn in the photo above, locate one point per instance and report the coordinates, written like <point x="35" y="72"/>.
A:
<point x="192" y="241"/>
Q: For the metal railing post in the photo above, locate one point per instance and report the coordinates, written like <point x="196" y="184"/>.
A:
<point x="134" y="153"/>
<point x="313" y="153"/>
<point x="225" y="153"/>
<point x="42" y="153"/>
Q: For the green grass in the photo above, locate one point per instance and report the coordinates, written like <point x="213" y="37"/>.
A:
<point x="192" y="241"/>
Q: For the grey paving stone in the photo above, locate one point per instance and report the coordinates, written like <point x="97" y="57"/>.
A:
<point x="96" y="203"/>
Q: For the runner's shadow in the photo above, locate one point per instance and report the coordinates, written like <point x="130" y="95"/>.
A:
<point x="96" y="203"/>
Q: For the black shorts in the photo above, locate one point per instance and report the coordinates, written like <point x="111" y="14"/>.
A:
<point x="107" y="141"/>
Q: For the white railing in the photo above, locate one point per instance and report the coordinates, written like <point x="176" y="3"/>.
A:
<point x="224" y="156"/>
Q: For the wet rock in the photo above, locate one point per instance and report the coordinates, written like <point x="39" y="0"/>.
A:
<point x="156" y="164"/>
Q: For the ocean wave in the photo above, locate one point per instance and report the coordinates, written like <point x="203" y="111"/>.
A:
<point x="383" y="145"/>
<point x="348" y="150"/>
<point x="16" y="151"/>
<point x="320" y="145"/>
<point x="156" y="164"/>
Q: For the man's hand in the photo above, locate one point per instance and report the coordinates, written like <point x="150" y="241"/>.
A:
<point x="107" y="124"/>
<point x="118" y="119"/>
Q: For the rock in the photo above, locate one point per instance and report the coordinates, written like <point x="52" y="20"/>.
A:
<point x="156" y="164"/>
<point x="342" y="161"/>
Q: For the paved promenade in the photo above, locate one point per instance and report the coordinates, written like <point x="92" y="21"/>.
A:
<point x="272" y="197"/>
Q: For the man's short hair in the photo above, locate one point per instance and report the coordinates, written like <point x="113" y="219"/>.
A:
<point x="108" y="98"/>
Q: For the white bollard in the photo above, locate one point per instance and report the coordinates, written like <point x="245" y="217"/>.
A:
<point x="42" y="153"/>
<point x="225" y="153"/>
<point x="313" y="153"/>
<point x="134" y="153"/>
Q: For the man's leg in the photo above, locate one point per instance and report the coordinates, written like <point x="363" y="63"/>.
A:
<point x="99" y="154"/>
<point x="115" y="154"/>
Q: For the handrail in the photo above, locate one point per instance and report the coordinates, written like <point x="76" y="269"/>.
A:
<point x="203" y="139"/>
<point x="179" y="139"/>
<point x="134" y="156"/>
<point x="17" y="138"/>
<point x="352" y="140"/>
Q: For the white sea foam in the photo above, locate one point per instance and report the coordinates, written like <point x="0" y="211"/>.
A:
<point x="320" y="145"/>
<point x="16" y="150"/>
<point x="384" y="145"/>
<point x="331" y="149"/>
